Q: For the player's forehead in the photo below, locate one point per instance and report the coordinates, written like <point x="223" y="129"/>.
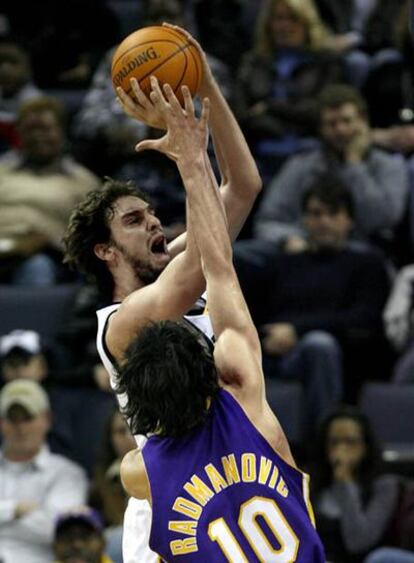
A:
<point x="129" y="204"/>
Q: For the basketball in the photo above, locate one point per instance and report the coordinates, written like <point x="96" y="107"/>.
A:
<point x="159" y="51"/>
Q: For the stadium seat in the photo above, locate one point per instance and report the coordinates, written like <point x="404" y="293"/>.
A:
<point x="41" y="309"/>
<point x="390" y="409"/>
<point x="286" y="401"/>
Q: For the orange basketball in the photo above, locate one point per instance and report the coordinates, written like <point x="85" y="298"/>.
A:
<point x="159" y="51"/>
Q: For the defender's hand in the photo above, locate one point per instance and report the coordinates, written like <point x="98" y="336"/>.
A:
<point x="186" y="134"/>
<point x="140" y="107"/>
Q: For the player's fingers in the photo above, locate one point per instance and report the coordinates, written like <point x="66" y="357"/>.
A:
<point x="205" y="112"/>
<point x="147" y="144"/>
<point x="125" y="99"/>
<point x="178" y="28"/>
<point x="141" y="98"/>
<point x="188" y="100"/>
<point x="171" y="97"/>
<point x="155" y="87"/>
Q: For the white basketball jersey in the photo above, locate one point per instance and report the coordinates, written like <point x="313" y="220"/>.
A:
<point x="137" y="519"/>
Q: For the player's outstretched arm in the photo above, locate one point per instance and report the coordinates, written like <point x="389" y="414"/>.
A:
<point x="182" y="281"/>
<point x="240" y="178"/>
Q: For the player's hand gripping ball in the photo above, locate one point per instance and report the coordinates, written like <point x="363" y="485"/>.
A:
<point x="159" y="51"/>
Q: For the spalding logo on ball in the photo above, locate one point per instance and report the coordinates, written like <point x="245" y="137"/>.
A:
<point x="161" y="52"/>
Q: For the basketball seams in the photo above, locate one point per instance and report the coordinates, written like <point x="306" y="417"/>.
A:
<point x="180" y="50"/>
<point x="167" y="48"/>
<point x="183" y="72"/>
<point x="198" y="71"/>
<point x="124" y="53"/>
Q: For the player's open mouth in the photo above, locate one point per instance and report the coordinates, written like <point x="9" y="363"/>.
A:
<point x="159" y="245"/>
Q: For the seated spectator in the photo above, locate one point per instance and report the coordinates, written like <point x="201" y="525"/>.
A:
<point x="399" y="324"/>
<point x="16" y="87"/>
<point x="389" y="88"/>
<point x="79" y="537"/>
<point x="107" y="492"/>
<point x="353" y="502"/>
<point x="39" y="186"/>
<point x="377" y="180"/>
<point x="279" y="79"/>
<point x="212" y="18"/>
<point x="22" y="357"/>
<point x="64" y="39"/>
<point x="319" y="304"/>
<point x="365" y="29"/>
<point x="40" y="485"/>
<point x="78" y="393"/>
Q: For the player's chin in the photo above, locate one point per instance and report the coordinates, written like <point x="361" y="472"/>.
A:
<point x="160" y="259"/>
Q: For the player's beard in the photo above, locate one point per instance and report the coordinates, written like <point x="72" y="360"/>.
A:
<point x="143" y="271"/>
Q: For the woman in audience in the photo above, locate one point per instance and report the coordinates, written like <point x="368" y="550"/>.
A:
<point x="353" y="503"/>
<point x="107" y="493"/>
<point x="278" y="80"/>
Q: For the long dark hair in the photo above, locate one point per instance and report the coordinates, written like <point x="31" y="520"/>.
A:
<point x="168" y="377"/>
<point x="369" y="467"/>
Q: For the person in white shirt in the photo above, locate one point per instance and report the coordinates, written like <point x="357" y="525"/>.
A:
<point x="35" y="484"/>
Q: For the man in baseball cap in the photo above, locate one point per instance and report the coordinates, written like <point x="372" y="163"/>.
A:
<point x="25" y="420"/>
<point x="22" y="356"/>
<point x="24" y="393"/>
<point x="40" y="484"/>
<point x="79" y="537"/>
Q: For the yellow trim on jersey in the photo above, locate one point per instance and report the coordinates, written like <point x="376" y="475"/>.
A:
<point x="305" y="490"/>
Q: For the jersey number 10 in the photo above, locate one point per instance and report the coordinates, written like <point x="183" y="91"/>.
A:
<point x="219" y="531"/>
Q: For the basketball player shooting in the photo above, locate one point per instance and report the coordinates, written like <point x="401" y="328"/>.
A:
<point x="217" y="468"/>
<point x="115" y="238"/>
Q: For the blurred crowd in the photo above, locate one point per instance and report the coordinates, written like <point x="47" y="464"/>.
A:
<point x="324" y="93"/>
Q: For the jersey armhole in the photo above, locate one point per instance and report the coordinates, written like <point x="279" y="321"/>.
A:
<point x="103" y="340"/>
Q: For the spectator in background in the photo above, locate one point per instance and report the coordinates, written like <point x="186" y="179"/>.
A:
<point x="79" y="404"/>
<point x="36" y="485"/>
<point x="399" y="324"/>
<point x="65" y="39"/>
<point x="39" y="186"/>
<point x="107" y="492"/>
<point x="16" y="87"/>
<point x="365" y="28"/>
<point x="318" y="308"/>
<point x="279" y="79"/>
<point x="353" y="502"/>
<point x="377" y="180"/>
<point x="389" y="89"/>
<point x="22" y="357"/>
<point x="212" y="18"/>
<point x="79" y="537"/>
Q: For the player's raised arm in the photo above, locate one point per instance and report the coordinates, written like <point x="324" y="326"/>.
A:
<point x="240" y="363"/>
<point x="240" y="179"/>
<point x="182" y="280"/>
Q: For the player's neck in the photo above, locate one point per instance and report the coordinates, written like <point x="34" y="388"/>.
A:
<point x="124" y="287"/>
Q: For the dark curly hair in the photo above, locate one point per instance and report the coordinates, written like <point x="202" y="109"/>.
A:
<point x="168" y="376"/>
<point x="89" y="225"/>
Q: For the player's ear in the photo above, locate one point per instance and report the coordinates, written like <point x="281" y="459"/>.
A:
<point x="104" y="251"/>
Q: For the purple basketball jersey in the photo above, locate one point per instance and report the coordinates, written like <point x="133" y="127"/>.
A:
<point x="223" y="494"/>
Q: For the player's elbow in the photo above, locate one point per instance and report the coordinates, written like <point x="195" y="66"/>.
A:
<point x="255" y="183"/>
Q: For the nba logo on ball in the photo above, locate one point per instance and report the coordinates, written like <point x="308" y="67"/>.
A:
<point x="157" y="51"/>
